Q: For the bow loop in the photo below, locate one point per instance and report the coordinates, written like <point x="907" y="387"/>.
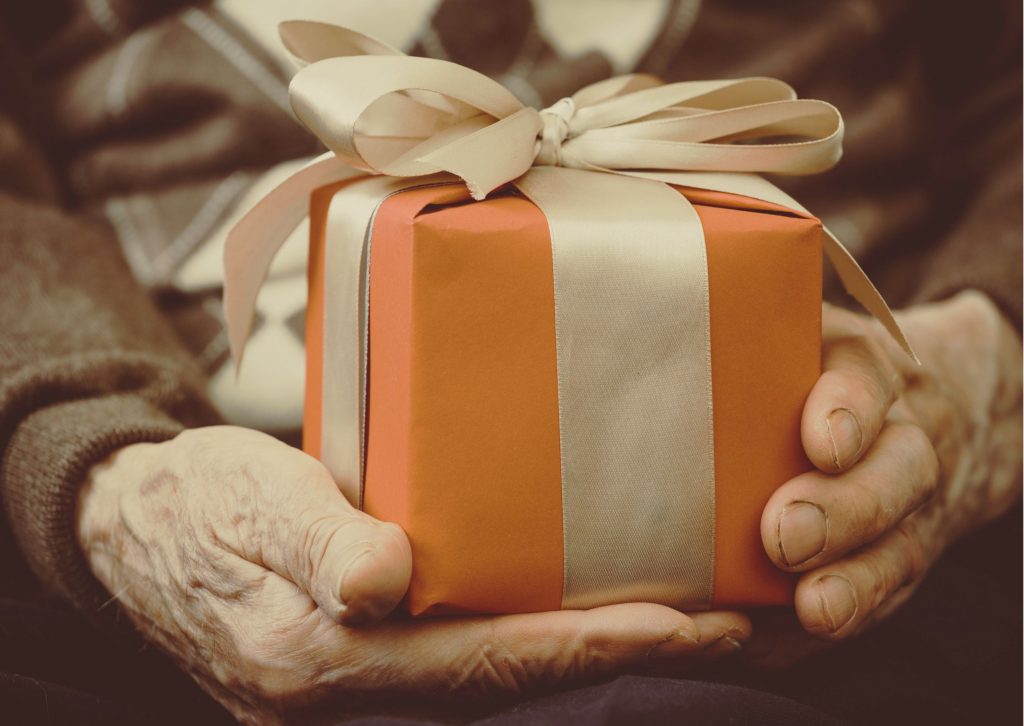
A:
<point x="387" y="113"/>
<point x="396" y="115"/>
<point x="636" y="103"/>
<point x="362" y="109"/>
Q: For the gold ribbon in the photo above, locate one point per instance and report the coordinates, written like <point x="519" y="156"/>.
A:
<point x="597" y="164"/>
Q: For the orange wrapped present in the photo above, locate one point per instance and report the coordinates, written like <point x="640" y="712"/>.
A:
<point x="576" y="389"/>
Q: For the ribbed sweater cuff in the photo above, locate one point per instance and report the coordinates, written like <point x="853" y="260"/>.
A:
<point x="45" y="466"/>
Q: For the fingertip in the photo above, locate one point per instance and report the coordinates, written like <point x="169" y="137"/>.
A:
<point x="826" y="605"/>
<point x="714" y="625"/>
<point x="832" y="433"/>
<point x="637" y="633"/>
<point x="376" y="578"/>
<point x="848" y="404"/>
<point x="794" y="528"/>
<point x="708" y="636"/>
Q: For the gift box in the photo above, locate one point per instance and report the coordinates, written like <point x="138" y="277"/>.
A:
<point x="463" y="435"/>
<point x="567" y="350"/>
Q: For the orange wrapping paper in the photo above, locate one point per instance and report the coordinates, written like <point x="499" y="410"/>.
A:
<point x="463" y="432"/>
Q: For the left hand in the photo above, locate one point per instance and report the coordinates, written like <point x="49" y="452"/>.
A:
<point x="239" y="557"/>
<point x="908" y="459"/>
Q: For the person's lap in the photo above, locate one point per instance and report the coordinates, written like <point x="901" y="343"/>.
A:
<point x="951" y="655"/>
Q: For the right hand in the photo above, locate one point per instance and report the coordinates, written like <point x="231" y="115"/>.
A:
<point x="238" y="556"/>
<point x="908" y="459"/>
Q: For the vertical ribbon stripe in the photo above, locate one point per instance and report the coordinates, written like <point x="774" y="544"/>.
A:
<point x="349" y="218"/>
<point x="634" y="387"/>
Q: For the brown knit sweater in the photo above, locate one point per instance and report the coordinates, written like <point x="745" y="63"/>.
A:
<point x="95" y="355"/>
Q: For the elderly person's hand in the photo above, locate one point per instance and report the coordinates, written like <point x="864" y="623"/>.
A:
<point x="238" y="556"/>
<point x="907" y="460"/>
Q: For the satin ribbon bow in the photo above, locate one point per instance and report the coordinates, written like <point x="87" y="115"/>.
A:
<point x="383" y="112"/>
<point x="401" y="116"/>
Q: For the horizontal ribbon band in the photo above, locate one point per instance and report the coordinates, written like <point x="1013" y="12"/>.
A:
<point x="403" y="118"/>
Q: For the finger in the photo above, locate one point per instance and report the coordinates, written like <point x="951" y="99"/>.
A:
<point x="516" y="653"/>
<point x="721" y="634"/>
<point x="815" y="518"/>
<point x="838" y="601"/>
<point x="354" y="567"/>
<point x="847" y="406"/>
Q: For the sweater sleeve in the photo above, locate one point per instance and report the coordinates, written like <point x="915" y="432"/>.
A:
<point x="87" y="365"/>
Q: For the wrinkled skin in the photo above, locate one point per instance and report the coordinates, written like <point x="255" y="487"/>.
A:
<point x="908" y="459"/>
<point x="239" y="557"/>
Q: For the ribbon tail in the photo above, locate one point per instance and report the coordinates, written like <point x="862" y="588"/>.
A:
<point x="253" y="243"/>
<point x="856" y="283"/>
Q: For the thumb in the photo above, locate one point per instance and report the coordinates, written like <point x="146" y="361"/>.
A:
<point x="353" y="566"/>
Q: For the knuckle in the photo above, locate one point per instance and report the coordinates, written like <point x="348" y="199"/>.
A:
<point x="982" y="311"/>
<point x="318" y="538"/>
<point x="915" y="440"/>
<point x="871" y="514"/>
<point x="489" y="669"/>
<point x="877" y="580"/>
<point x="913" y="556"/>
<point x="493" y="668"/>
<point x="932" y="468"/>
<point x="865" y="367"/>
<point x="892" y="568"/>
<point x="920" y="459"/>
<point x="875" y="385"/>
<point x="575" y="659"/>
<point x="886" y="376"/>
<point x="854" y="349"/>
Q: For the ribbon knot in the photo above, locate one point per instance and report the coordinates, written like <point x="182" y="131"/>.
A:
<point x="556" y="120"/>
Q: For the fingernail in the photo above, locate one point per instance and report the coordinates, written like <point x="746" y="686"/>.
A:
<point x="838" y="601"/>
<point x="845" y="434"/>
<point x="803" y="530"/>
<point x="678" y="644"/>
<point x="726" y="645"/>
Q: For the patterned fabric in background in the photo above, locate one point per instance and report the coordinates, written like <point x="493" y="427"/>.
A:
<point x="169" y="154"/>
